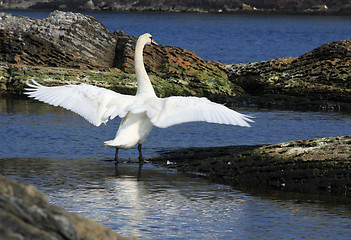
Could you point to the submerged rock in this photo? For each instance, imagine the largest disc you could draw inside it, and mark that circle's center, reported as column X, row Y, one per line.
column 315, row 166
column 26, row 214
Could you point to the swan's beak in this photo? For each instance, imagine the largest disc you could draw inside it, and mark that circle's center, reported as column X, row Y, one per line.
column 153, row 42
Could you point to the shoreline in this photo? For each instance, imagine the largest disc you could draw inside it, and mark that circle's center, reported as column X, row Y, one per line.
column 258, row 12
column 318, row 166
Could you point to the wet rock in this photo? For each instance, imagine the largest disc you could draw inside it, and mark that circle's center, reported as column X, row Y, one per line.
column 315, row 166
column 62, row 39
column 321, row 76
column 26, row 214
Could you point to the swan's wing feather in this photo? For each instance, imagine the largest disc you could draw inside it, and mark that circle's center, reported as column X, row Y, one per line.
column 97, row 105
column 165, row 112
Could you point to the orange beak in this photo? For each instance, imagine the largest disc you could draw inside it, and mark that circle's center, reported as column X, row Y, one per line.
column 153, row 42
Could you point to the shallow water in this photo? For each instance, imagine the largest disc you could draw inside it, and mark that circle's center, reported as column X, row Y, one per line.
column 62, row 155
column 166, row 205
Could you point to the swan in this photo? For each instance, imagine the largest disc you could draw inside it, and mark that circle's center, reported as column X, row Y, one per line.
column 139, row 113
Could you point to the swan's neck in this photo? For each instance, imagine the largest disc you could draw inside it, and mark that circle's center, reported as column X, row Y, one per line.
column 144, row 83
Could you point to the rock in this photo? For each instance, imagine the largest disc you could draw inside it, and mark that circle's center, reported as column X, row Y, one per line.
column 14, row 77
column 322, row 75
column 213, row 6
column 26, row 214
column 89, row 5
column 315, row 166
column 62, row 39
column 25, row 48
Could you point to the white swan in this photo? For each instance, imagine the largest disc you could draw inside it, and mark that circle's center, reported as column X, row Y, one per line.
column 139, row 113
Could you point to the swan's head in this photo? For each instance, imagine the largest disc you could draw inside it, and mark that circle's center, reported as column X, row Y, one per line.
column 147, row 39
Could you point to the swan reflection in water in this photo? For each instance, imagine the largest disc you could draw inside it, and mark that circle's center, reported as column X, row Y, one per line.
column 139, row 113
column 138, row 175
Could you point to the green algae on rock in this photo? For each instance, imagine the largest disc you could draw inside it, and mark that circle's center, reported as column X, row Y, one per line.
column 14, row 77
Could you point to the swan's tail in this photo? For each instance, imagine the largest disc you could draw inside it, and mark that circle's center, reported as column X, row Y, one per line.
column 110, row 143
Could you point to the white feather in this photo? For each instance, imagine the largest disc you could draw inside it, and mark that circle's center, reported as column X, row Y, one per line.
column 97, row 105
column 177, row 110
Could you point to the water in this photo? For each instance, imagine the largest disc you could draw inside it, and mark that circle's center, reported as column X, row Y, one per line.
column 167, row 205
column 60, row 153
column 42, row 130
column 229, row 38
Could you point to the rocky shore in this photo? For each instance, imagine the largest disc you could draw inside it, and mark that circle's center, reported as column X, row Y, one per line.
column 26, row 214
column 315, row 166
column 207, row 6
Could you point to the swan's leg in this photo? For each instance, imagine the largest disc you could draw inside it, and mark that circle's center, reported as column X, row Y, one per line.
column 116, row 162
column 141, row 159
column 116, row 155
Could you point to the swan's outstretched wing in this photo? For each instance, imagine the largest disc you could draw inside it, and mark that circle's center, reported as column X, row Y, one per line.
column 165, row 112
column 97, row 105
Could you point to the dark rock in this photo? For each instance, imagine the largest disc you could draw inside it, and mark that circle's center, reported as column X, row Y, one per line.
column 25, row 48
column 26, row 214
column 322, row 75
column 315, row 166
column 62, row 39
